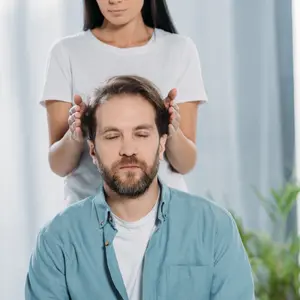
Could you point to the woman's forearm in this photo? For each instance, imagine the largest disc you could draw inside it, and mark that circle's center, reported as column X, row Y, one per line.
column 64, row 155
column 181, row 152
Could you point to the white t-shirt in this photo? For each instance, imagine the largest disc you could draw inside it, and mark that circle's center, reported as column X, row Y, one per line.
column 80, row 63
column 130, row 244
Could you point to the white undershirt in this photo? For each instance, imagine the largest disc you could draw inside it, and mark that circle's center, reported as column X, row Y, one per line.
column 130, row 245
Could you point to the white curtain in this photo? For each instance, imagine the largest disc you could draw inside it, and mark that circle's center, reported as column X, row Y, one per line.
column 30, row 193
column 245, row 133
column 296, row 46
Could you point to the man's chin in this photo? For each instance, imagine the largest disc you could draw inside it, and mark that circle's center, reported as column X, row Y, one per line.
column 129, row 182
column 131, row 190
column 130, row 170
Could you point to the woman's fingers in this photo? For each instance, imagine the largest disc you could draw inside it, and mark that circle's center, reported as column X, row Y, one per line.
column 169, row 100
column 77, row 100
column 74, row 109
column 172, row 94
column 74, row 120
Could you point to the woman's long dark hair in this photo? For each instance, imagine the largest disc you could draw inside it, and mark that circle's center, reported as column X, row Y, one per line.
column 155, row 15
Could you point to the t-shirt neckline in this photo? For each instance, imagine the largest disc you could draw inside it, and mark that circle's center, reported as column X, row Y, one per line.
column 130, row 50
column 142, row 221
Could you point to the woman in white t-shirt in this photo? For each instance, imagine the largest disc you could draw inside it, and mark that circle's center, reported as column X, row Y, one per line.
column 121, row 37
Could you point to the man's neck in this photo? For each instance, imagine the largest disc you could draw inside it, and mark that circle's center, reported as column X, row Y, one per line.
column 133, row 209
column 133, row 34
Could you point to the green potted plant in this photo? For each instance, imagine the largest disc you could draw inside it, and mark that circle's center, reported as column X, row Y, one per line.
column 275, row 259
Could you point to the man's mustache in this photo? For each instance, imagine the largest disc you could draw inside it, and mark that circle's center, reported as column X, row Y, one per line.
column 129, row 160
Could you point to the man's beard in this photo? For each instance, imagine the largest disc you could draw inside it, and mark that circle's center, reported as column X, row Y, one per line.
column 131, row 187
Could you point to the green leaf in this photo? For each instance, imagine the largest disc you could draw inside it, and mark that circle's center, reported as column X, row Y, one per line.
column 285, row 199
column 274, row 263
column 269, row 206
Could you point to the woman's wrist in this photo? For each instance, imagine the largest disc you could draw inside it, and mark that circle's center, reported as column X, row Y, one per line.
column 70, row 138
column 177, row 135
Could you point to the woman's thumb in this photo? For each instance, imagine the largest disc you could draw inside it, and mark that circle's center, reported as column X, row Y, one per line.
column 77, row 99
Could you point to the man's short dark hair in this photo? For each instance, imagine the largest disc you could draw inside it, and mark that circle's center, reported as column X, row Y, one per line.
column 130, row 85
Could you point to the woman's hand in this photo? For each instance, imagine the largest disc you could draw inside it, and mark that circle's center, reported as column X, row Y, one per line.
column 74, row 120
column 173, row 112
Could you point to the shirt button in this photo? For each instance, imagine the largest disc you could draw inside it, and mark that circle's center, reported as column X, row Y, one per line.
column 107, row 243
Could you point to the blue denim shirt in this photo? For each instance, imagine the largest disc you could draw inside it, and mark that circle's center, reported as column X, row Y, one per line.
column 195, row 253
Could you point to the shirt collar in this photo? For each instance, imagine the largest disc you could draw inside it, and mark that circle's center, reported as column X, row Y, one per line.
column 104, row 213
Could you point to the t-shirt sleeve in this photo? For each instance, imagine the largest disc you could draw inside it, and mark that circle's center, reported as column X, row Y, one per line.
column 190, row 85
column 58, row 79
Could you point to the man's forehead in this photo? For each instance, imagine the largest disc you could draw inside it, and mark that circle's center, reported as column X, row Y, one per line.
column 126, row 111
column 128, row 103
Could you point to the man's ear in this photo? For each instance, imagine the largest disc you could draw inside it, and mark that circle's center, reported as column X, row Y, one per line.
column 92, row 151
column 162, row 146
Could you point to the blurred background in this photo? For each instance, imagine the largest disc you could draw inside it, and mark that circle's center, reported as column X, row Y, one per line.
column 247, row 134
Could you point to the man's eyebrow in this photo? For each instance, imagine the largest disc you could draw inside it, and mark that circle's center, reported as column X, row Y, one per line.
column 115, row 129
column 144, row 126
column 109, row 129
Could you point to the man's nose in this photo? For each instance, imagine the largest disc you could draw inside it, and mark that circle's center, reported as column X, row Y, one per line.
column 128, row 147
